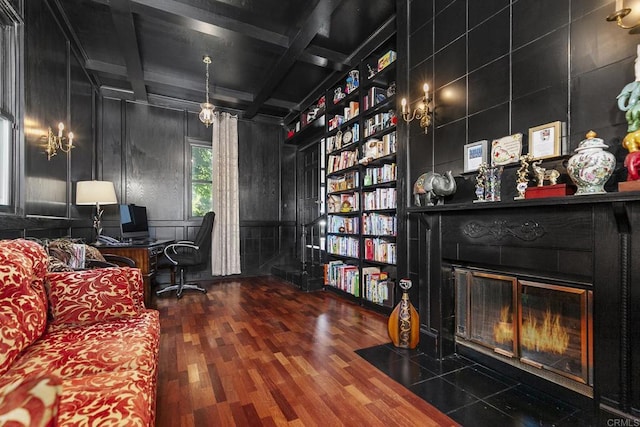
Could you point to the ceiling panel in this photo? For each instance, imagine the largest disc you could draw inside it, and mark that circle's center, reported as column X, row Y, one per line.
column 268, row 55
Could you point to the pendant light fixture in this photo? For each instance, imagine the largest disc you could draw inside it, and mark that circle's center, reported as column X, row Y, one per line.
column 206, row 112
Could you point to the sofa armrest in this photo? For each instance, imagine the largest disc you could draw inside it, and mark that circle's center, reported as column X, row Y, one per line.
column 89, row 296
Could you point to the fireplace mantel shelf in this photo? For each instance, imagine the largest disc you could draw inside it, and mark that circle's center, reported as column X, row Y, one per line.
column 630, row 196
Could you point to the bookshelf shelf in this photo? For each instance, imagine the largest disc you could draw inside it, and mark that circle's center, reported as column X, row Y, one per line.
column 385, row 184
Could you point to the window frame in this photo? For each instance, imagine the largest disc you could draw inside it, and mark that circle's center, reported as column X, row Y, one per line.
column 11, row 88
column 193, row 143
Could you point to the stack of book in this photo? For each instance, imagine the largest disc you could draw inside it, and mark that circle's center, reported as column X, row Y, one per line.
column 343, row 276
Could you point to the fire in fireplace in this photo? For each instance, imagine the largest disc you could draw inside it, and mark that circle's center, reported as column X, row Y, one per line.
column 539, row 325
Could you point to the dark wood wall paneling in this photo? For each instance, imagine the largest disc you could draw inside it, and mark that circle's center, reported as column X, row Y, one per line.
column 56, row 90
column 260, row 182
column 288, row 232
column 478, row 95
column 145, row 151
column 46, row 102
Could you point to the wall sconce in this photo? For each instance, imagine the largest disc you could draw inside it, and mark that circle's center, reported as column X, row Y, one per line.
column 55, row 143
column 619, row 14
column 422, row 111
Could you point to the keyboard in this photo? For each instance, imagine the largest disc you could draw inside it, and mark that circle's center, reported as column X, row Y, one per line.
column 143, row 241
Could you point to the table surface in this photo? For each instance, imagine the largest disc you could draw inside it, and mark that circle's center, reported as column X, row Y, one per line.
column 135, row 244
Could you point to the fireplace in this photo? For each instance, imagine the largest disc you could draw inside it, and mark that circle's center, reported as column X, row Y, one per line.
column 543, row 328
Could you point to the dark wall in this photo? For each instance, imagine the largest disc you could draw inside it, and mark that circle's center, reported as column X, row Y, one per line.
column 144, row 150
column 499, row 67
column 56, row 90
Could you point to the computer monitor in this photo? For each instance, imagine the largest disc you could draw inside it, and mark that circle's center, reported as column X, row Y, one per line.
column 133, row 222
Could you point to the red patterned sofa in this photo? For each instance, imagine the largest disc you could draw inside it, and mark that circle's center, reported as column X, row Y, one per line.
column 76, row 348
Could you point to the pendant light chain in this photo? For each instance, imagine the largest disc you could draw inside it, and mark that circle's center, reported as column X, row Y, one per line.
column 207, row 61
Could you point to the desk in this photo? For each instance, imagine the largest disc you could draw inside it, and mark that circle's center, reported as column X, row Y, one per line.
column 146, row 258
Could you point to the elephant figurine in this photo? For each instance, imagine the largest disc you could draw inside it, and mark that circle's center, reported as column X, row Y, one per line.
column 433, row 187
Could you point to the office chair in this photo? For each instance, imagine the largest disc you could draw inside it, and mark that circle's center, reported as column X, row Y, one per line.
column 184, row 254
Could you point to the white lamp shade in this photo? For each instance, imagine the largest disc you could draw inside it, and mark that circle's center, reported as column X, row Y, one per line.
column 92, row 192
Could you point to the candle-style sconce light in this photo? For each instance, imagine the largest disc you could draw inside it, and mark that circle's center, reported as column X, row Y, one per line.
column 58, row 142
column 422, row 112
column 619, row 14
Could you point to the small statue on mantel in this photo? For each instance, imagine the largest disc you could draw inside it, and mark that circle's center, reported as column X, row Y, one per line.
column 543, row 174
column 522, row 182
column 628, row 102
column 481, row 182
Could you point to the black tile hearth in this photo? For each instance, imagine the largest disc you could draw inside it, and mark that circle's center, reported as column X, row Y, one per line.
column 472, row 394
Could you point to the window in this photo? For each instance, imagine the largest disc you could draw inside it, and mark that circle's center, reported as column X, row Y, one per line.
column 10, row 83
column 201, row 180
column 5, row 161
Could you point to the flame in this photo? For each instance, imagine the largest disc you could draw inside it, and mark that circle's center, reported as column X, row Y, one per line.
column 503, row 330
column 550, row 336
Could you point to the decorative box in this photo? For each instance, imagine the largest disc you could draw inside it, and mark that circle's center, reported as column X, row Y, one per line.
column 557, row 190
column 629, row 186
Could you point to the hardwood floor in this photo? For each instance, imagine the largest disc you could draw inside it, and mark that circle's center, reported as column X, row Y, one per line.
column 259, row 352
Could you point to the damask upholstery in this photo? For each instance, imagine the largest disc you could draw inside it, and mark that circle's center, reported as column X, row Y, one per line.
column 95, row 349
column 98, row 295
column 32, row 401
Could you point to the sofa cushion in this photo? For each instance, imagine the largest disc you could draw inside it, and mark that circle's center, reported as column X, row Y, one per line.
column 68, row 351
column 108, row 399
column 30, row 402
column 89, row 296
column 23, row 309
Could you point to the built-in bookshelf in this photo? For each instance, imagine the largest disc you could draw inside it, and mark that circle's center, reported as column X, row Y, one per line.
column 361, row 176
column 355, row 120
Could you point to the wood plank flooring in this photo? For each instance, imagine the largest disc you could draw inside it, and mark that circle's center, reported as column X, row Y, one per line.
column 259, row 352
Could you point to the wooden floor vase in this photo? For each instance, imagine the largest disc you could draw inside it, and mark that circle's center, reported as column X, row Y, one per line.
column 404, row 322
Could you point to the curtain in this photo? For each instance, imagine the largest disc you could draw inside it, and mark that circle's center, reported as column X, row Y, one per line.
column 225, row 249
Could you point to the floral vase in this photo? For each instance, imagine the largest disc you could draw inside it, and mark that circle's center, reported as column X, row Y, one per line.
column 591, row 166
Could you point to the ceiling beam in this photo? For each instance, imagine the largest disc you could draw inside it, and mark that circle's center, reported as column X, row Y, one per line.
column 328, row 54
column 317, row 18
column 217, row 93
column 126, row 33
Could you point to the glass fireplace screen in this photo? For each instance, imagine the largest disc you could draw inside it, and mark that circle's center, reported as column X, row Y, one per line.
column 543, row 325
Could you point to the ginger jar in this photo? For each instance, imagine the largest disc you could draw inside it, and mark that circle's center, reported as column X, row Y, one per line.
column 591, row 166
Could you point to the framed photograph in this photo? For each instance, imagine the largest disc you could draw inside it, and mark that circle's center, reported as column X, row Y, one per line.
column 544, row 141
column 474, row 155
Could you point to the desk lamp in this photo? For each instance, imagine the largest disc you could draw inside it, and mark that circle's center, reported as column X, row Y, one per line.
column 96, row 193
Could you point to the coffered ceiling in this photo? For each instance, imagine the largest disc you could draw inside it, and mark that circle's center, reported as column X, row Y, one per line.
column 269, row 57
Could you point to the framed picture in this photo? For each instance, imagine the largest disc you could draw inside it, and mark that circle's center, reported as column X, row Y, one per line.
column 506, row 150
column 544, row 141
column 474, row 155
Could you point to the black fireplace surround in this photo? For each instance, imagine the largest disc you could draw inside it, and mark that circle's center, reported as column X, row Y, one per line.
column 588, row 243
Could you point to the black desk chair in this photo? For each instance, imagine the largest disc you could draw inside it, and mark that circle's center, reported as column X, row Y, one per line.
column 184, row 254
